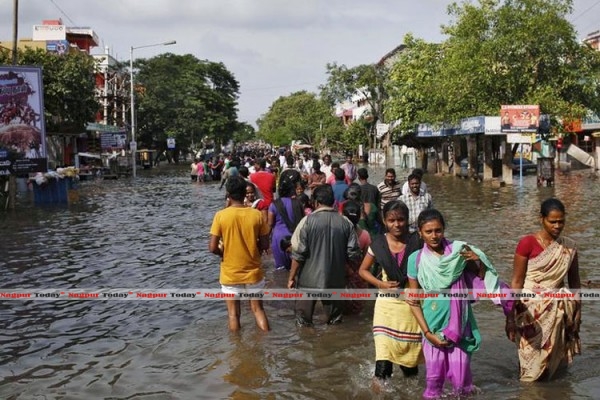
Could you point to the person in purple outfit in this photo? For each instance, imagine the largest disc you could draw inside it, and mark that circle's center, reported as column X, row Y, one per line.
column 283, row 216
column 450, row 332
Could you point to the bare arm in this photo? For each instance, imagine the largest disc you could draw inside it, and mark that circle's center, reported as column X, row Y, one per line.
column 575, row 283
column 263, row 243
column 265, row 217
column 271, row 220
column 573, row 274
column 415, row 308
column 518, row 280
column 213, row 245
column 519, row 271
column 293, row 272
column 473, row 262
column 365, row 273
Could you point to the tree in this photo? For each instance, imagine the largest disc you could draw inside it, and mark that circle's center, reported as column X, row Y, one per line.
column 497, row 52
column 244, row 133
column 68, row 79
column 522, row 52
column 356, row 133
column 413, row 84
column 299, row 116
column 366, row 81
column 185, row 98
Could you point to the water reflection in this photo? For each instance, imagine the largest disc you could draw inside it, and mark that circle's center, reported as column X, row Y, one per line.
column 153, row 233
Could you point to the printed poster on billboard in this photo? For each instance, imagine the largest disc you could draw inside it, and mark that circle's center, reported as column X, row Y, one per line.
column 519, row 118
column 22, row 129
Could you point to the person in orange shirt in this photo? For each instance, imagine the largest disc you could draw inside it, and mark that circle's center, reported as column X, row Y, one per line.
column 244, row 235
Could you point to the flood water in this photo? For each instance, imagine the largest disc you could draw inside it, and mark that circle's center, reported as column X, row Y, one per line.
column 152, row 233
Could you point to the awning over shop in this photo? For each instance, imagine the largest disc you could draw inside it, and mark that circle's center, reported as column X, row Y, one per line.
column 426, row 130
column 471, row 126
column 90, row 155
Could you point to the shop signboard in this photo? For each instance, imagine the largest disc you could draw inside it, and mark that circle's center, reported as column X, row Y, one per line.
column 591, row 121
column 492, row 126
column 113, row 141
column 471, row 126
column 94, row 126
column 22, row 128
column 520, row 138
column 426, row 130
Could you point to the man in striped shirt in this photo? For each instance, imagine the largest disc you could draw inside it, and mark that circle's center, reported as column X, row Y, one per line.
column 389, row 189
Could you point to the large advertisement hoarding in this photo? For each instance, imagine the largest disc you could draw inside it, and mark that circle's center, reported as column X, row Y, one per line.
column 519, row 118
column 22, row 129
column 49, row 32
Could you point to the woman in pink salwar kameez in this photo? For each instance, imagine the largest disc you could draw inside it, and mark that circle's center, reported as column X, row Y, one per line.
column 449, row 328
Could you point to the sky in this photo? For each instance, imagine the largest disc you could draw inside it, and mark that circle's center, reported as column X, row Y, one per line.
column 273, row 47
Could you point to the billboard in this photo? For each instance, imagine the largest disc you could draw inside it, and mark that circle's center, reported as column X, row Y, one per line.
column 22, row 129
column 57, row 46
column 49, row 32
column 519, row 118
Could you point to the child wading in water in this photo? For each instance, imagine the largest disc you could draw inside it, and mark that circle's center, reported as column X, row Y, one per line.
column 244, row 234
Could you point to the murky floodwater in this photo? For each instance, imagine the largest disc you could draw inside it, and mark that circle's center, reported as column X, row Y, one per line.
column 153, row 234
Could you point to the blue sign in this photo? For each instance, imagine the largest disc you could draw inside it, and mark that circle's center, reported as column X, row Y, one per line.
column 471, row 126
column 426, row 130
column 57, row 46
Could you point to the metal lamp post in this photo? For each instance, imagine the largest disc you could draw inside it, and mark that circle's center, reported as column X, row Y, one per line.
column 133, row 144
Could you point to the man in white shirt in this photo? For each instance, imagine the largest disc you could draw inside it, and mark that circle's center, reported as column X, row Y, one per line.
column 326, row 166
column 415, row 200
column 406, row 187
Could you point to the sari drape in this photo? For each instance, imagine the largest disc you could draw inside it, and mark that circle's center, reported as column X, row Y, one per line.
column 545, row 333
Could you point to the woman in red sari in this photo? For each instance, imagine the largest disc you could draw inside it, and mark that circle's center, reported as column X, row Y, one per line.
column 546, row 328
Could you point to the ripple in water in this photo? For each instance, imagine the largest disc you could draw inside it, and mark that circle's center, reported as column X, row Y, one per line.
column 153, row 233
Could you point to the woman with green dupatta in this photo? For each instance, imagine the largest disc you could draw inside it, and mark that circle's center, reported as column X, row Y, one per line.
column 450, row 330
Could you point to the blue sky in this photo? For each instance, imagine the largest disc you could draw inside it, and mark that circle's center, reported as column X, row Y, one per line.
column 273, row 47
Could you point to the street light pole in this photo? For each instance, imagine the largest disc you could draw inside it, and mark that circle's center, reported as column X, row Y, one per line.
column 15, row 31
column 133, row 144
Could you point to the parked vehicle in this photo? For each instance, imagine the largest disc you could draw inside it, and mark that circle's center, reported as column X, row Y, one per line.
column 528, row 166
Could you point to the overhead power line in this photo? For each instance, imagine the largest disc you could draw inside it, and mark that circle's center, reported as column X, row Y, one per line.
column 63, row 13
column 585, row 11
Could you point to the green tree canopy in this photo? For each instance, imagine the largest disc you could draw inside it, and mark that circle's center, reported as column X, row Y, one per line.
column 244, row 133
column 300, row 116
column 413, row 84
column 496, row 52
column 189, row 99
